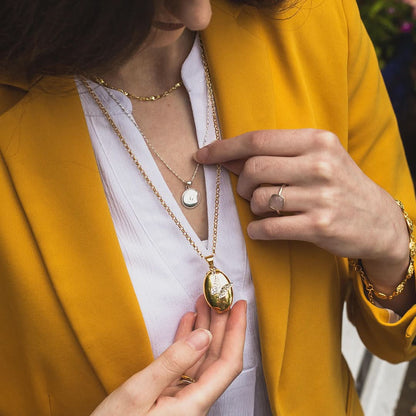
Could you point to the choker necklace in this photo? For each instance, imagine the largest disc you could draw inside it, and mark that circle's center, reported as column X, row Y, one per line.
column 217, row 288
column 139, row 97
column 190, row 196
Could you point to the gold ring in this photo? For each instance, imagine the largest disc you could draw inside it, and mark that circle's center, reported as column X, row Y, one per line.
column 277, row 201
column 186, row 379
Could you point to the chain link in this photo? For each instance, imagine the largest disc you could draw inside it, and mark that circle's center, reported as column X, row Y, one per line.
column 139, row 97
column 211, row 100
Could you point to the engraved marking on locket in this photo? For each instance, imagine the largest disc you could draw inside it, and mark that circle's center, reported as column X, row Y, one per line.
column 218, row 290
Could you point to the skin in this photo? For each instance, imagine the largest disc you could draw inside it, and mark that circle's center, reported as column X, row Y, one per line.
column 331, row 202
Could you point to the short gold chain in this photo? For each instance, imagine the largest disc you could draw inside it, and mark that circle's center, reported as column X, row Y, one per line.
column 139, row 97
column 148, row 180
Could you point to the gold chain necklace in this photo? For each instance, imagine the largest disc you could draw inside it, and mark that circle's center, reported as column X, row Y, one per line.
column 190, row 196
column 217, row 288
column 139, row 97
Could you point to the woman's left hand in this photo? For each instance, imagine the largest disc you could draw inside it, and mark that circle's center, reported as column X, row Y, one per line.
column 331, row 202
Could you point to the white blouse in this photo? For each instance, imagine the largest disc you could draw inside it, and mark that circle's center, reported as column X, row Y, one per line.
column 166, row 272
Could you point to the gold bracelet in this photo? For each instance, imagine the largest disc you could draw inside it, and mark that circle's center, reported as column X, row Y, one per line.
column 369, row 288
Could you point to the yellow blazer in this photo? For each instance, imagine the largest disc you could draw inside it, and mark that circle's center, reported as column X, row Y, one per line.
column 71, row 329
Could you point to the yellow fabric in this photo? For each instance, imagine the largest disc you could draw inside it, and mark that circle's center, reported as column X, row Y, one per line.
column 70, row 327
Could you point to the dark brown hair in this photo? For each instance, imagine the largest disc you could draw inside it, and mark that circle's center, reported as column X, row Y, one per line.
column 67, row 37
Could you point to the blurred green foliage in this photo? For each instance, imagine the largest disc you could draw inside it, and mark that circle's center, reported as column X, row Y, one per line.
column 386, row 21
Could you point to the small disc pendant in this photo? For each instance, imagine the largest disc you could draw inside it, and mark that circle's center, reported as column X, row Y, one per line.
column 218, row 290
column 190, row 198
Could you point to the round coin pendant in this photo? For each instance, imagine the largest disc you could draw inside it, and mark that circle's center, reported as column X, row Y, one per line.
column 190, row 198
column 218, row 290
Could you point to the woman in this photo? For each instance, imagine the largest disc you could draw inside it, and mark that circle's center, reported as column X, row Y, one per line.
column 300, row 100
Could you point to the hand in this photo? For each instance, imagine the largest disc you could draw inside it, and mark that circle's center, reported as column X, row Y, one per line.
column 331, row 202
column 213, row 358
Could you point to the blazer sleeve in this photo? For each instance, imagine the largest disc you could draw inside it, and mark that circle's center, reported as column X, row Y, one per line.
column 374, row 143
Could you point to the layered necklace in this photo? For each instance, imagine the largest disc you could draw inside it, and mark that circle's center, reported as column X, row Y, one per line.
column 217, row 288
column 190, row 196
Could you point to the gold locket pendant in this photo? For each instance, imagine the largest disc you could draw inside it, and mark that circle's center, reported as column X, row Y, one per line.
column 218, row 290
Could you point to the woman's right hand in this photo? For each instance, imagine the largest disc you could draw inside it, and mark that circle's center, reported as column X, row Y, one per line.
column 212, row 353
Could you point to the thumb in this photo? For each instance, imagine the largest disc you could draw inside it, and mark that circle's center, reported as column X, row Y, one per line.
column 172, row 363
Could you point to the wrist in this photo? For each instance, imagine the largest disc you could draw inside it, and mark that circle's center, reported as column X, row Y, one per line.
column 387, row 278
column 386, row 274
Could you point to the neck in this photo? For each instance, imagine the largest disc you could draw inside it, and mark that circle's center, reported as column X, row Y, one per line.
column 153, row 68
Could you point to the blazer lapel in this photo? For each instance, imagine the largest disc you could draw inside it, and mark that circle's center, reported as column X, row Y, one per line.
column 67, row 210
column 247, row 99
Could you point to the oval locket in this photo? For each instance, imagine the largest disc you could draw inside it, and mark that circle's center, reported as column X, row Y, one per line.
column 218, row 291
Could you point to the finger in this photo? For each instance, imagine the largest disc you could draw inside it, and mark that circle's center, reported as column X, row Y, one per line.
column 147, row 385
column 203, row 318
column 294, row 227
column 217, row 329
column 295, row 199
column 186, row 325
column 262, row 142
column 272, row 170
column 215, row 379
column 235, row 166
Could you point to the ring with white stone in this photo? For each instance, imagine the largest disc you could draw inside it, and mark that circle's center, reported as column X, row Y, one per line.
column 277, row 201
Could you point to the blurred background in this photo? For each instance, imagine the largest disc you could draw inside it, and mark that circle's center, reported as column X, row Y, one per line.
column 391, row 25
column 386, row 389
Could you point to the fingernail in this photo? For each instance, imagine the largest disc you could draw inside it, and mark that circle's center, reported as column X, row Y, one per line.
column 201, row 155
column 250, row 232
column 199, row 339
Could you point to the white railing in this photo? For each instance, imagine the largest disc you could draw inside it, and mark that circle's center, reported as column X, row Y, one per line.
column 379, row 383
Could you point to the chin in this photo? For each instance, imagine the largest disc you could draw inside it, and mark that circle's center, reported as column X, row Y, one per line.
column 161, row 38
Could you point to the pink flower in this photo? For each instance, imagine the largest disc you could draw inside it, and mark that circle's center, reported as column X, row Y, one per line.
column 406, row 27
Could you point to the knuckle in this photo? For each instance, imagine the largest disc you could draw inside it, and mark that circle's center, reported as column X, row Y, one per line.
column 257, row 141
column 323, row 224
column 171, row 363
column 129, row 394
column 323, row 169
column 253, row 166
column 259, row 201
column 323, row 139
